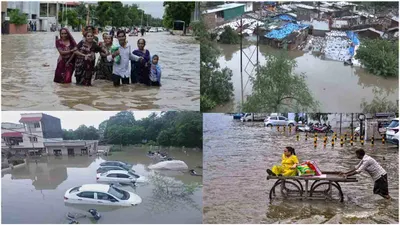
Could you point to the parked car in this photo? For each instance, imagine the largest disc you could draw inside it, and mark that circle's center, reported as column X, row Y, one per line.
column 127, row 166
column 253, row 117
column 392, row 132
column 153, row 29
column 103, row 169
column 101, row 194
column 278, row 121
column 120, row 176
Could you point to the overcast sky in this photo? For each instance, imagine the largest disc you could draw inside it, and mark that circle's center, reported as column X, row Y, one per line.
column 155, row 9
column 73, row 119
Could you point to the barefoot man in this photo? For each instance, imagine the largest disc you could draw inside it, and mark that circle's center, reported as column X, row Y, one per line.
column 372, row 167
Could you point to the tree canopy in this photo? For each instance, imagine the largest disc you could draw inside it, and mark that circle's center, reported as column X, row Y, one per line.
column 166, row 129
column 215, row 83
column 277, row 89
column 114, row 14
column 177, row 11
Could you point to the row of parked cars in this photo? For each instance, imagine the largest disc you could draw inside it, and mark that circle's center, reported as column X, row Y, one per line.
column 107, row 192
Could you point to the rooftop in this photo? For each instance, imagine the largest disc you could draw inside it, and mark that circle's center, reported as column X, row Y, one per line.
column 370, row 29
column 320, row 25
column 224, row 7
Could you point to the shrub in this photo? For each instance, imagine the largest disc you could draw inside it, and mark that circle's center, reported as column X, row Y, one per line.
column 17, row 18
column 379, row 57
column 229, row 36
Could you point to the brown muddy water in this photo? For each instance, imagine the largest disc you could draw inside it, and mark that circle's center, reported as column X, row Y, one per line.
column 27, row 85
column 34, row 193
column 338, row 88
column 236, row 156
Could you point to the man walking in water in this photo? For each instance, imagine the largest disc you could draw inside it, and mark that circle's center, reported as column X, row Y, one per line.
column 142, row 30
column 372, row 167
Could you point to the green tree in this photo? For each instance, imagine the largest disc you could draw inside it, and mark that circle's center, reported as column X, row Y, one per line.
column 17, row 18
column 379, row 57
column 277, row 89
column 177, row 11
column 215, row 83
column 70, row 18
column 229, row 36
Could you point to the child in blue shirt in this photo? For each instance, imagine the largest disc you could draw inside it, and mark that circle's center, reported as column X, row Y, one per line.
column 155, row 72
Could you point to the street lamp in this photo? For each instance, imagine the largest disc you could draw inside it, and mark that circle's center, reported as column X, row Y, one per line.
column 361, row 117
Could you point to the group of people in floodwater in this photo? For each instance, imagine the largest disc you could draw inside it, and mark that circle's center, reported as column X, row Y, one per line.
column 113, row 63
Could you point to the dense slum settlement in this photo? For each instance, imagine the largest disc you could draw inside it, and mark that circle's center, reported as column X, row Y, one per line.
column 333, row 29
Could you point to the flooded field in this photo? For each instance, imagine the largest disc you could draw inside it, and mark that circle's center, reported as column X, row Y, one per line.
column 34, row 193
column 28, row 85
column 329, row 81
column 236, row 156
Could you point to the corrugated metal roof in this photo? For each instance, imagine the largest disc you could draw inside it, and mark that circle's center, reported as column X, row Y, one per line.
column 395, row 18
column 370, row 29
column 30, row 119
column 224, row 7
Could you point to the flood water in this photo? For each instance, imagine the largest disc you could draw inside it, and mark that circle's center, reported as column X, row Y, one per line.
column 27, row 85
column 34, row 193
column 236, row 156
column 330, row 82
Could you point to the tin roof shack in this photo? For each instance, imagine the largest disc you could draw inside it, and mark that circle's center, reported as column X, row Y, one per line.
column 394, row 22
column 369, row 33
column 222, row 14
column 290, row 34
column 320, row 27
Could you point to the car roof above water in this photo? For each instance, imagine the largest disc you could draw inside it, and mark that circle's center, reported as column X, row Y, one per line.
column 95, row 187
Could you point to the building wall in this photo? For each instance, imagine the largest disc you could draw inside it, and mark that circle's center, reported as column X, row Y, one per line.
column 64, row 150
column 249, row 7
column 319, row 33
column 369, row 34
column 209, row 20
column 30, row 8
column 51, row 127
column 233, row 13
column 394, row 24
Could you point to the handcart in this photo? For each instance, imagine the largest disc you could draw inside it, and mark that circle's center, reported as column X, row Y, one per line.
column 325, row 186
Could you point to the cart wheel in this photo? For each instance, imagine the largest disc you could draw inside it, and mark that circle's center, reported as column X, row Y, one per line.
column 290, row 189
column 301, row 187
column 313, row 184
column 322, row 189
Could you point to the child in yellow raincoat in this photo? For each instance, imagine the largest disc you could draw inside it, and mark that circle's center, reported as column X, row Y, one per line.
column 289, row 164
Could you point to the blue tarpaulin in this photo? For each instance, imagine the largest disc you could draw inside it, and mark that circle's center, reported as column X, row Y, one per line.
column 354, row 38
column 285, row 30
column 285, row 17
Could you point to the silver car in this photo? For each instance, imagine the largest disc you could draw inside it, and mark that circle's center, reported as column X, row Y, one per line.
column 278, row 121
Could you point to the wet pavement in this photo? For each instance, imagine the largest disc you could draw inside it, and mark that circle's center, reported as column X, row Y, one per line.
column 330, row 82
column 34, row 193
column 236, row 156
column 27, row 85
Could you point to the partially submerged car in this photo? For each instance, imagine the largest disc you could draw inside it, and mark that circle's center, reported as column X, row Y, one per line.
column 120, row 176
column 101, row 194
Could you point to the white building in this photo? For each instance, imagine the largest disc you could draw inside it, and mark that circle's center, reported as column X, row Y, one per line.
column 41, row 134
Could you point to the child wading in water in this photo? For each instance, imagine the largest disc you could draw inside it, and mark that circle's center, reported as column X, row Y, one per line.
column 155, row 72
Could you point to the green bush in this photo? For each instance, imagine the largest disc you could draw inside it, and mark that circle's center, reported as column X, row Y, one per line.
column 18, row 18
column 229, row 36
column 379, row 57
column 115, row 148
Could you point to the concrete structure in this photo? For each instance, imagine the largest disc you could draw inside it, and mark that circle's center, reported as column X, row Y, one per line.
column 223, row 13
column 71, row 147
column 369, row 33
column 31, row 9
column 320, row 27
column 41, row 134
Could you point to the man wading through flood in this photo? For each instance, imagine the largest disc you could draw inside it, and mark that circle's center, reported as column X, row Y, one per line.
column 372, row 167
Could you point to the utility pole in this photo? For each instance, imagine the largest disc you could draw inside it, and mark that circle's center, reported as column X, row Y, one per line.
column 48, row 16
column 57, row 9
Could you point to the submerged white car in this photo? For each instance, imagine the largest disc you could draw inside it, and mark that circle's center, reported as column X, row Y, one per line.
column 120, row 176
column 101, row 194
column 392, row 132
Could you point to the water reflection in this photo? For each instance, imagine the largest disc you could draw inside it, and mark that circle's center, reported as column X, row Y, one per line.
column 236, row 156
column 45, row 182
column 329, row 81
column 27, row 84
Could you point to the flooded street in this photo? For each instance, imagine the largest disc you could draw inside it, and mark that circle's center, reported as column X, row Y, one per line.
column 329, row 81
column 27, row 85
column 34, row 193
column 236, row 156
